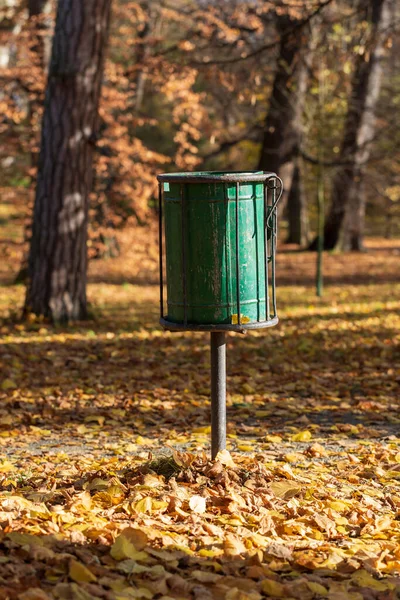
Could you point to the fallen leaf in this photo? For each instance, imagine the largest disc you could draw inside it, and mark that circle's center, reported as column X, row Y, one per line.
column 80, row 573
column 197, row 504
column 273, row 588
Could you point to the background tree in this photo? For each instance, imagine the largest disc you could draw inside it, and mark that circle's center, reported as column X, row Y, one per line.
column 58, row 252
column 346, row 216
column 191, row 86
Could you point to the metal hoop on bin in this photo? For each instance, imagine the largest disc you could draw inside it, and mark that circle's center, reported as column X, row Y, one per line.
column 272, row 192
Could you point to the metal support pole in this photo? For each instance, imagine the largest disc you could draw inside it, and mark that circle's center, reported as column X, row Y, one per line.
column 218, row 392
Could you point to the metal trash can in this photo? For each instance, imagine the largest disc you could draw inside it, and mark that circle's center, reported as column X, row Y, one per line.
column 220, row 242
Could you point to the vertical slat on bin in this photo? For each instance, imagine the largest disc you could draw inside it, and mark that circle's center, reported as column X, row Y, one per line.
column 267, row 309
column 237, row 254
column 227, row 252
column 273, row 245
column 160, row 247
column 183, row 241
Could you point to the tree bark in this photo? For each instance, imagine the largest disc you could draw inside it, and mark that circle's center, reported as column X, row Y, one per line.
column 142, row 54
column 297, row 210
column 345, row 221
column 40, row 45
column 278, row 139
column 296, row 200
column 283, row 127
column 58, row 253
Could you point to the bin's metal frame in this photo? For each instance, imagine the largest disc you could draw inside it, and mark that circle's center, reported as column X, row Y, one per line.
column 217, row 331
column 273, row 188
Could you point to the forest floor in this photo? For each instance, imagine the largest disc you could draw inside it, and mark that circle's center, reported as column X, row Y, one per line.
column 106, row 487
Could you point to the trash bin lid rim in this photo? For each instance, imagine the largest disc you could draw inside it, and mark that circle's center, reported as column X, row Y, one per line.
column 216, row 176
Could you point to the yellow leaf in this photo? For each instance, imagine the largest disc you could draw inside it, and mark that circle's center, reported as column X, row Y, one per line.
column 153, row 481
column 7, row 420
column 6, row 467
column 225, row 458
column 136, row 536
column 284, row 489
column 86, row 500
column 338, row 506
column 8, row 384
column 158, row 505
column 205, row 576
column 210, row 553
column 206, row 429
column 39, row 511
column 142, row 441
column 302, row 436
column 243, row 319
column 273, row 439
column 233, row 545
column 197, row 504
column 293, row 457
column 129, row 544
column 79, row 573
column 40, row 431
column 24, row 539
column 98, row 484
column 82, row 429
column 245, row 448
column 143, row 505
column 273, row 588
column 247, row 389
column 122, row 548
column 317, row 588
column 364, row 579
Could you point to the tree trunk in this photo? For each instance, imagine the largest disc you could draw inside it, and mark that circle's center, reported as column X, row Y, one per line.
column 142, row 54
column 58, row 253
column 297, row 210
column 345, row 221
column 278, row 139
column 40, row 45
column 283, row 124
column 297, row 201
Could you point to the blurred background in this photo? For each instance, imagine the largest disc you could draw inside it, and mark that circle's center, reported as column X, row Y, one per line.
column 306, row 88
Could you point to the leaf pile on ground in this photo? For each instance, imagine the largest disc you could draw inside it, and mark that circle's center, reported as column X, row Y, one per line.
column 106, row 487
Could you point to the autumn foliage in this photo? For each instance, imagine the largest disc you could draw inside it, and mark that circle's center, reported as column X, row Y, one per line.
column 107, row 490
column 106, row 485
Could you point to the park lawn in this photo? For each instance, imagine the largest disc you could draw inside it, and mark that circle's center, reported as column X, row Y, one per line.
column 107, row 490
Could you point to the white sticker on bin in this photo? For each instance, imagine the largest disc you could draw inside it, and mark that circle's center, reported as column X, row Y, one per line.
column 166, row 186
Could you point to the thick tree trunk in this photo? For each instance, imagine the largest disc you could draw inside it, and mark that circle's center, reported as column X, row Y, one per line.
column 142, row 54
column 40, row 45
column 297, row 201
column 345, row 221
column 58, row 253
column 297, row 210
column 283, row 124
column 278, row 138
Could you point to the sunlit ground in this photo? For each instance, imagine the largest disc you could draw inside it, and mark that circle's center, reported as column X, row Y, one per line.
column 307, row 509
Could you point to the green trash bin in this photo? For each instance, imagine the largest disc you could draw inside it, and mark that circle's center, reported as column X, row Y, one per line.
column 220, row 242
